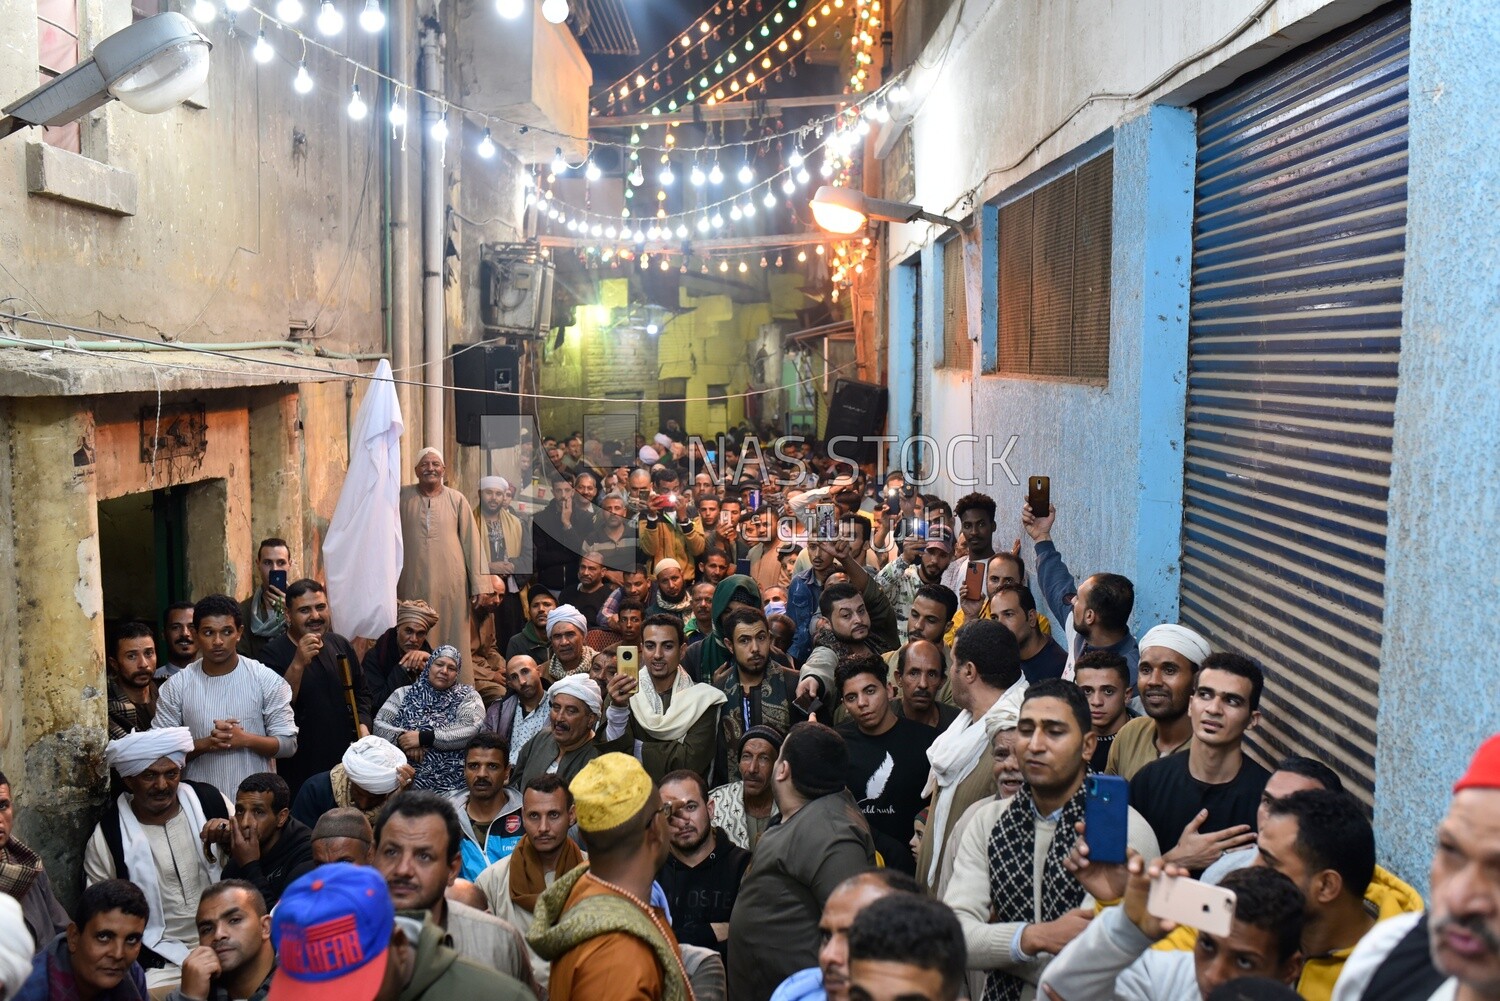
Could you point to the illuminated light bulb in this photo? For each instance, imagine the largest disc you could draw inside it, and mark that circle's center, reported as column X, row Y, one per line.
column 735, row 214
column 763, row 260
column 559, row 165
column 812, row 22
column 703, row 27
column 555, row 11
column 788, row 185
column 635, row 139
column 796, row 34
column 664, row 266
column 827, row 169
column 749, row 209
column 744, row 267
column 703, row 224
column 724, row 266
column 900, row 94
column 371, row 17
column 302, row 83
column 716, row 176
column 330, row 21
column 818, row 250
column 672, row 104
column 439, row 130
column 597, row 230
column 777, row 18
column 639, row 236
column 827, row 10
column 592, row 171
column 734, row 86
column 703, row 80
column 697, row 177
column 717, row 221
column 765, row 63
column 263, row 52
column 204, row 11
column 397, row 115
column 625, row 91
column 746, row 174
column 358, row 109
column 572, row 225
column 640, row 80
column 609, row 232
column 637, row 176
column 487, row 149
column 656, row 111
column 795, row 160
column 781, row 47
column 682, row 231
column 289, row 11
column 801, row 257
column 510, row 9
column 731, row 59
column 770, row 200
column 802, row 176
column 778, row 260
column 750, row 44
column 652, row 328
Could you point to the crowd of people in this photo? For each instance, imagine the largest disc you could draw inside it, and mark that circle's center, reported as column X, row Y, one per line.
column 730, row 720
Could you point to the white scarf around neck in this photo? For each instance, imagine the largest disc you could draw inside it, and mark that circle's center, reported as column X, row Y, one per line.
column 953, row 756
column 689, row 702
column 136, row 849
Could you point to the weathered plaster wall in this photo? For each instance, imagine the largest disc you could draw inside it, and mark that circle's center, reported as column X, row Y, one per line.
column 1444, row 507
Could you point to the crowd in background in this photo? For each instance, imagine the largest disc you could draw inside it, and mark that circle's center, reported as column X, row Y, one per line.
column 730, row 717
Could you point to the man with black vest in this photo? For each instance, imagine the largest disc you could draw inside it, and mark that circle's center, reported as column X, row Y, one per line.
column 152, row 835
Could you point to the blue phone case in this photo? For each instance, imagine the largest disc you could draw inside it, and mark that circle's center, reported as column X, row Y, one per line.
column 1106, row 817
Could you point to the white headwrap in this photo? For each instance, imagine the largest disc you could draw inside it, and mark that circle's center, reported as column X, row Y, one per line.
column 494, row 483
column 371, row 764
column 566, row 614
column 16, row 946
column 663, row 440
column 581, row 687
column 648, row 455
column 1178, row 639
column 135, row 752
column 665, row 563
column 429, row 450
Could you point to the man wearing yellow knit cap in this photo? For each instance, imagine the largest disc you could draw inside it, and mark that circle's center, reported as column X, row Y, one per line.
column 595, row 924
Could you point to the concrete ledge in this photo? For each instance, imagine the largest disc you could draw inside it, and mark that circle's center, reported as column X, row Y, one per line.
column 26, row 372
column 78, row 180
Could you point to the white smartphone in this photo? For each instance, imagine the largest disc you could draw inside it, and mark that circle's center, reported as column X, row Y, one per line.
column 1193, row 903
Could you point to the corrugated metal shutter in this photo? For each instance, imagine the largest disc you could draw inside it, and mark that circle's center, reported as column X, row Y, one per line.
column 1298, row 258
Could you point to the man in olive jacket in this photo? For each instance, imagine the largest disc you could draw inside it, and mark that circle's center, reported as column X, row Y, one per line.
column 821, row 841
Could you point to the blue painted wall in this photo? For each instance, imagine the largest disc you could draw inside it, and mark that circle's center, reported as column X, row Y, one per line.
column 1114, row 453
column 1439, row 695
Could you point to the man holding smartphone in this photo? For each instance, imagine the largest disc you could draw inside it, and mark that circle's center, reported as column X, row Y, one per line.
column 264, row 612
column 1014, row 922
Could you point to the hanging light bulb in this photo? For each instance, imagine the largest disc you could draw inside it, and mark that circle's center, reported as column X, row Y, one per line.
column 717, row 221
column 357, row 107
column 801, row 257
column 487, row 146
column 598, row 230
column 439, row 130
column 591, row 170
column 263, row 52
column 397, row 114
column 778, row 260
column 559, row 165
column 716, row 176
column 555, row 11
column 788, row 186
column 697, row 177
column 770, row 200
column 795, row 160
column 609, row 232
column 723, row 266
column 637, row 176
column 509, row 9
column 330, row 21
column 802, row 176
column 371, row 17
column 744, row 267
column 749, row 209
column 666, row 176
column 302, row 83
column 703, row 224
column 735, row 214
column 682, row 231
column 204, row 11
column 289, row 11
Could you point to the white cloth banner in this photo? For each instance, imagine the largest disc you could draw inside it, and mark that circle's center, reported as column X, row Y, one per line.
column 362, row 551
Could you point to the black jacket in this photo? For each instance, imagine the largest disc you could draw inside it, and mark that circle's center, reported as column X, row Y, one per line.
column 288, row 858
column 703, row 896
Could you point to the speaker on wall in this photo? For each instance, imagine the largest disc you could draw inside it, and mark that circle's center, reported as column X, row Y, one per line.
column 486, row 380
column 856, row 410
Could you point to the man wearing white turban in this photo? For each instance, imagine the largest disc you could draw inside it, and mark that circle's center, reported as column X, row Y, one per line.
column 372, row 769
column 443, row 561
column 566, row 627
column 564, row 747
column 151, row 836
column 1170, row 656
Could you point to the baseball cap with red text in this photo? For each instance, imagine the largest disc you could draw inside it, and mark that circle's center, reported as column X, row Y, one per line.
column 332, row 933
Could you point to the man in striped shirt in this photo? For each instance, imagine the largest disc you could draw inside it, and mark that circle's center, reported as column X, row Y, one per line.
column 238, row 710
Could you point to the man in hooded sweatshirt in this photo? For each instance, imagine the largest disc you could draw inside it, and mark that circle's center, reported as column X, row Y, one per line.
column 267, row 846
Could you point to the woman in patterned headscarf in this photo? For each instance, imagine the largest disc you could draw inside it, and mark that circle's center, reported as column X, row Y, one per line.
column 433, row 721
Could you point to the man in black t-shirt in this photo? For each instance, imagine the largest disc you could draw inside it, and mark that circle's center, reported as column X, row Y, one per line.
column 887, row 758
column 592, row 590
column 1203, row 803
column 701, row 877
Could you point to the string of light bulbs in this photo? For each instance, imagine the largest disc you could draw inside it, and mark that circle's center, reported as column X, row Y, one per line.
column 686, row 42
column 263, row 52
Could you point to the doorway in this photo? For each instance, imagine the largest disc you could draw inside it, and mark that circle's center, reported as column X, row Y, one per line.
column 143, row 556
column 672, row 405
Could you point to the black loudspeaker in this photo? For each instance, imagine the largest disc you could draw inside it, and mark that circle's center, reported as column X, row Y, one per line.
column 485, row 367
column 857, row 411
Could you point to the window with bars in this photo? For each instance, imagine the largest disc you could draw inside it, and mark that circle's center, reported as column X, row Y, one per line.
column 958, row 351
column 1054, row 278
column 57, row 52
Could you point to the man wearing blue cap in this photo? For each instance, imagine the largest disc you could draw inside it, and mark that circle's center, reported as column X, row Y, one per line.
column 338, row 936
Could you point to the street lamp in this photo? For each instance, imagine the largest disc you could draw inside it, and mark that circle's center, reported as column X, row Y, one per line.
column 848, row 210
column 153, row 65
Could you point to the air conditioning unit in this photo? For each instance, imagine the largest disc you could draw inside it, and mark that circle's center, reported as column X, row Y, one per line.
column 516, row 289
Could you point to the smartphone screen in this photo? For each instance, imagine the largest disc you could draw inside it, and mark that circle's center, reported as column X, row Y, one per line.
column 278, row 580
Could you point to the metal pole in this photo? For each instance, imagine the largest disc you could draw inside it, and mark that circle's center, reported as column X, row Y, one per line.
column 402, row 353
column 434, row 345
